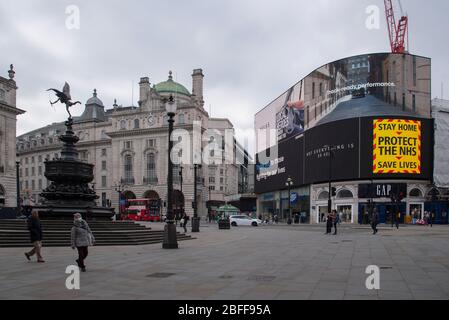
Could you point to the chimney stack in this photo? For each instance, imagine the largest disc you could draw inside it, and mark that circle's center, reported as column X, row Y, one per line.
column 145, row 87
column 197, row 90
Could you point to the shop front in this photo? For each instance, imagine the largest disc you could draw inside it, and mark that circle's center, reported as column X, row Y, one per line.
column 299, row 204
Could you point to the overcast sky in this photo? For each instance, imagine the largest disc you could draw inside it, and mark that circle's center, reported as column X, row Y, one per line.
column 250, row 50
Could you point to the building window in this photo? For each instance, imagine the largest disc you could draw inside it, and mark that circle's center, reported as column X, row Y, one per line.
column 128, row 145
column 414, row 102
column 136, row 124
column 212, row 188
column 39, row 159
column 84, row 156
column 123, row 125
column 128, row 168
column 39, row 172
column 33, row 171
column 26, row 172
column 2, row 95
column 321, row 89
column 104, row 166
column 104, row 200
column 32, row 159
column 181, row 119
column 103, row 181
column 211, row 179
column 221, row 180
column 313, row 90
column 103, row 152
column 151, row 168
column 27, row 185
column 40, row 184
column 33, row 185
column 151, row 143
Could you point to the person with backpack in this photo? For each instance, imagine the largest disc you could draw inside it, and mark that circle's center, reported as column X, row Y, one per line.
column 35, row 229
column 81, row 238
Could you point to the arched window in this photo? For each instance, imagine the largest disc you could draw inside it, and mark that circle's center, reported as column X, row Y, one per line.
column 2, row 95
column 123, row 125
column 345, row 194
column 151, row 175
column 416, row 193
column 181, row 118
column 136, row 124
column 323, row 196
column 128, row 169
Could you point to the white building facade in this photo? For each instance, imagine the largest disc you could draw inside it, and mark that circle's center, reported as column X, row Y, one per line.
column 8, row 120
column 129, row 148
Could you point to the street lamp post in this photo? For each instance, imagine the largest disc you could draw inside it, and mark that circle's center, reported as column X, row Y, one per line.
column 119, row 188
column 18, row 187
column 196, row 219
column 289, row 185
column 170, row 239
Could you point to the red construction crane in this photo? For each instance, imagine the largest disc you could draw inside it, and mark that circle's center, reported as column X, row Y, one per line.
column 397, row 32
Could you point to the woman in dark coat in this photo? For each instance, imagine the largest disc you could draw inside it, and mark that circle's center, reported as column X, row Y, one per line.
column 35, row 229
column 329, row 224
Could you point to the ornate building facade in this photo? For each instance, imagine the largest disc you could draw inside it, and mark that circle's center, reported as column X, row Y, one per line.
column 8, row 119
column 129, row 148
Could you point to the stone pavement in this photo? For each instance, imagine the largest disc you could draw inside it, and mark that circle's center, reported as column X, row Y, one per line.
column 265, row 263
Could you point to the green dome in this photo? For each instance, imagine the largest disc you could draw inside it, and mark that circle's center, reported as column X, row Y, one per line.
column 171, row 86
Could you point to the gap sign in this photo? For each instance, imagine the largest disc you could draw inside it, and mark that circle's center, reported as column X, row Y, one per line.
column 397, row 146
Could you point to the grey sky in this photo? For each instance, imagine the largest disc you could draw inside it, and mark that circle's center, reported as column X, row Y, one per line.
column 251, row 51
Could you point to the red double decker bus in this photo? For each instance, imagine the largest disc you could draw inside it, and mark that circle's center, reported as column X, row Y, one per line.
column 143, row 210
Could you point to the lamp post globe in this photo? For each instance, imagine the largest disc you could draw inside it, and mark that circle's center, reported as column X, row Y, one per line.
column 170, row 239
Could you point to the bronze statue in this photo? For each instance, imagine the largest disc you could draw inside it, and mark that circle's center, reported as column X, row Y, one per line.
column 65, row 98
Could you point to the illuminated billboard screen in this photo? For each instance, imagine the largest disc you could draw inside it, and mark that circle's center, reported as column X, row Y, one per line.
column 383, row 84
column 363, row 148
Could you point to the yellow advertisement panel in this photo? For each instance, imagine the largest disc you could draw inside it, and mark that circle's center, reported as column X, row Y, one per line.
column 397, row 146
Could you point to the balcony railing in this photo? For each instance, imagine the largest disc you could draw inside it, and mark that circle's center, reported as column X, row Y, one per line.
column 128, row 181
column 150, row 180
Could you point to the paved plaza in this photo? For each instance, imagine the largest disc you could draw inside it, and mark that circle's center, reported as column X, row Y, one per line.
column 265, row 263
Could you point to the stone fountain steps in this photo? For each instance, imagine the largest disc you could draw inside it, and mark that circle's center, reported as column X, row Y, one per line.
column 14, row 233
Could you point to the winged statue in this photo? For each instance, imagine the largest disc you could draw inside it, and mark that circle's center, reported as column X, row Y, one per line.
column 64, row 97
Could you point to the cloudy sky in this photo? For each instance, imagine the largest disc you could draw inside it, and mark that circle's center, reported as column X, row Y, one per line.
column 250, row 50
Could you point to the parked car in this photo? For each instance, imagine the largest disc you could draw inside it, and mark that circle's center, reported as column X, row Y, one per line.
column 244, row 221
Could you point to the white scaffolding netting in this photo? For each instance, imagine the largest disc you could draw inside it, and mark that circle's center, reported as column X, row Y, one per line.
column 440, row 112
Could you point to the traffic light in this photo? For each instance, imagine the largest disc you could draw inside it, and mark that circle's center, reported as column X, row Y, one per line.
column 334, row 192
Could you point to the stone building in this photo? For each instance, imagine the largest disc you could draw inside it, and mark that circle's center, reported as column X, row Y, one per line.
column 8, row 119
column 129, row 148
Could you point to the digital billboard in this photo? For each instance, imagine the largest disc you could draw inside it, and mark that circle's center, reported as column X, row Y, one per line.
column 347, row 150
column 383, row 84
column 396, row 146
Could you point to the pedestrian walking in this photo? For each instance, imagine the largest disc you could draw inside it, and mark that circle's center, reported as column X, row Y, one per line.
column 329, row 223
column 184, row 220
column 375, row 222
column 335, row 220
column 397, row 220
column 432, row 219
column 35, row 229
column 81, row 238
